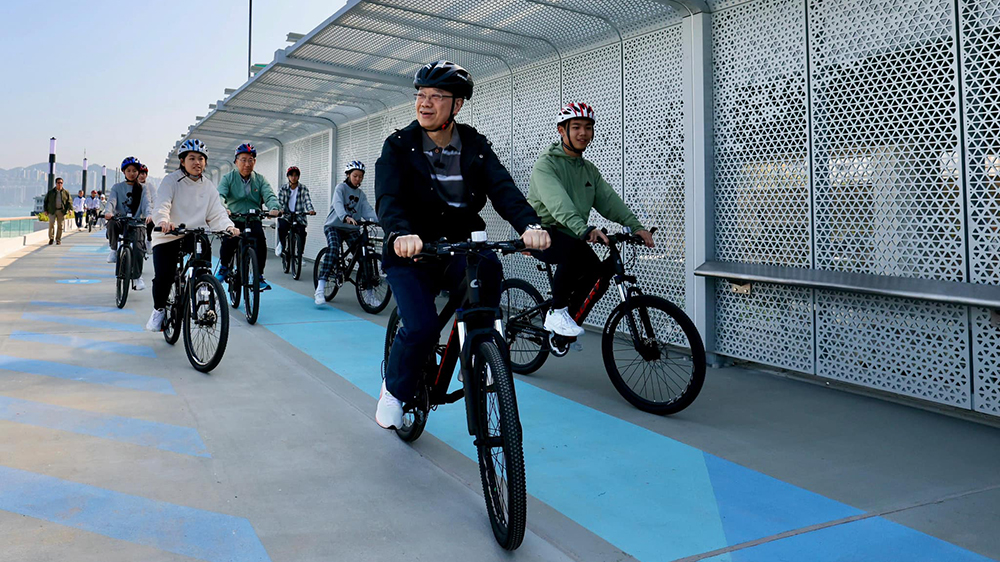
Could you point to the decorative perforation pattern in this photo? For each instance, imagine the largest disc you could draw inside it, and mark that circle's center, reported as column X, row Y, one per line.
column 772, row 325
column 908, row 347
column 491, row 117
column 761, row 152
column 267, row 166
column 885, row 138
column 312, row 156
column 981, row 64
column 986, row 359
column 654, row 157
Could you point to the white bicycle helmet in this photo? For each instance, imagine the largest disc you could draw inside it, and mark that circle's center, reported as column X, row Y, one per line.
column 576, row 110
column 192, row 145
column 354, row 165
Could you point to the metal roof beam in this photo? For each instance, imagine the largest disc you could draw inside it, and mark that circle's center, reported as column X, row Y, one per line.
column 278, row 115
column 281, row 59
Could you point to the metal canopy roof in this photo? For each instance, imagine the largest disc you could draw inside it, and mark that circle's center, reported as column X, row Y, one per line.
column 362, row 59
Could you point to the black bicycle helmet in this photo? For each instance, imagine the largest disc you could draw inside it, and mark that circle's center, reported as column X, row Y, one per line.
column 445, row 75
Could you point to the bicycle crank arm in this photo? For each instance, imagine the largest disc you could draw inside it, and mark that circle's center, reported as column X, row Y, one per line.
column 453, row 397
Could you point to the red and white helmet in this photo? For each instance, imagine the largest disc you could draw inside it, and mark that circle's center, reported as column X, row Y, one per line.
column 576, row 110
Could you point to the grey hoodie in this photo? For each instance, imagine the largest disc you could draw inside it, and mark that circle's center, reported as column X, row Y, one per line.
column 118, row 197
column 349, row 201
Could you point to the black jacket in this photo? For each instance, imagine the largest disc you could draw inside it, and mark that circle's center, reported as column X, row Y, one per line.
column 407, row 201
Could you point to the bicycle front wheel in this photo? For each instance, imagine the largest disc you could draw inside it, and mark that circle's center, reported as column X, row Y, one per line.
column 206, row 322
column 654, row 355
column 372, row 287
column 501, row 458
column 522, row 321
column 123, row 275
column 250, row 273
column 296, row 256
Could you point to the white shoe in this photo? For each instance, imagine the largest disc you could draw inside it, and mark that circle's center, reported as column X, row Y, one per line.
column 560, row 322
column 389, row 412
column 138, row 285
column 277, row 249
column 320, row 296
column 112, row 256
column 155, row 323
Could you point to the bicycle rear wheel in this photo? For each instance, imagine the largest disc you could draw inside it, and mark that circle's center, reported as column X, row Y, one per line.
column 415, row 413
column 172, row 317
column 251, row 284
column 372, row 287
column 654, row 355
column 206, row 322
column 123, row 275
column 522, row 322
column 501, row 458
column 296, row 259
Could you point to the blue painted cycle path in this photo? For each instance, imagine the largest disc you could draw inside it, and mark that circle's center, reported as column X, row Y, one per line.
column 651, row 496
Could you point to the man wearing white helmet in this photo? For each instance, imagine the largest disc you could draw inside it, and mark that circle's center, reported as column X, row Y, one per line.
column 564, row 187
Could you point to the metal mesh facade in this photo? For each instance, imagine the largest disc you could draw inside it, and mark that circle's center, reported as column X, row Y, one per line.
column 312, row 156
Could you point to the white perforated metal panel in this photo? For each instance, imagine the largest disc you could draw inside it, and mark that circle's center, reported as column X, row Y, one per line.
column 654, row 156
column 491, row 117
column 312, row 156
column 772, row 325
column 914, row 348
column 267, row 166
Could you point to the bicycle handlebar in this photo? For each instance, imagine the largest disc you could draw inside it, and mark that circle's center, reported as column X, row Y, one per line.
column 432, row 249
column 626, row 237
column 183, row 230
column 253, row 214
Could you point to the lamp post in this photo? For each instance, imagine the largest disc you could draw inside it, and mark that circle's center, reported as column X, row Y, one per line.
column 52, row 163
column 104, row 178
column 84, row 186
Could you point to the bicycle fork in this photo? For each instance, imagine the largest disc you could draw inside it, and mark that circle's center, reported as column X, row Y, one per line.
column 467, row 372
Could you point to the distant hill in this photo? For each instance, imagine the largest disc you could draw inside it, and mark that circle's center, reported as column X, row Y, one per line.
column 36, row 175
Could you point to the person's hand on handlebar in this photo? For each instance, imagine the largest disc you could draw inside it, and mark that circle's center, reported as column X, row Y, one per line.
column 408, row 246
column 350, row 220
column 233, row 231
column 273, row 213
column 311, row 213
column 647, row 237
column 109, row 216
column 596, row 236
column 166, row 227
column 536, row 239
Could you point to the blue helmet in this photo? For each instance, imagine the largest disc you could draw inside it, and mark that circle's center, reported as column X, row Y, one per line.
column 131, row 161
column 354, row 165
column 245, row 148
column 192, row 145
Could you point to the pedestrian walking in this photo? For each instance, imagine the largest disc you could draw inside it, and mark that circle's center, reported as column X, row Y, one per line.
column 57, row 202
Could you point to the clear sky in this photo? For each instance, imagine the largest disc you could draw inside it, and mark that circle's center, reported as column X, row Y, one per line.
column 124, row 78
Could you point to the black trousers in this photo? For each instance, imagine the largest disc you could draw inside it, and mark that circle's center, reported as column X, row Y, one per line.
column 578, row 269
column 229, row 245
column 165, row 258
column 284, row 226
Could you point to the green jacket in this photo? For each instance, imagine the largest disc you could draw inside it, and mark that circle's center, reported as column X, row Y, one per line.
column 564, row 189
column 50, row 201
column 234, row 195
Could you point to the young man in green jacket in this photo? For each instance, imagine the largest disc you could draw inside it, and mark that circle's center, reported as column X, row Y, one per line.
column 241, row 190
column 564, row 187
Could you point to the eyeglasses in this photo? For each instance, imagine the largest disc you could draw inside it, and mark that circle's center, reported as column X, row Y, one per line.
column 436, row 98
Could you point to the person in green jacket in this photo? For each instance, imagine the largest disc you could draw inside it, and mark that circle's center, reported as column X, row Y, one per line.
column 564, row 187
column 241, row 190
column 57, row 203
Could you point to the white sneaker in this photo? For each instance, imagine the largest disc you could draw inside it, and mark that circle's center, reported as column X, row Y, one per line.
column 560, row 322
column 320, row 296
column 155, row 323
column 138, row 285
column 389, row 412
column 277, row 249
column 112, row 256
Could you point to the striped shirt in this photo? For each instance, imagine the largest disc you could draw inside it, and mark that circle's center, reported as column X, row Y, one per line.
column 446, row 169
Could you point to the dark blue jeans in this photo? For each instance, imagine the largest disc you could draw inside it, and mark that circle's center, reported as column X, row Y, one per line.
column 415, row 286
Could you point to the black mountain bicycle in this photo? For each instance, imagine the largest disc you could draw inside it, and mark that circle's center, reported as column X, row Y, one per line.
column 370, row 285
column 91, row 219
column 128, row 255
column 243, row 276
column 488, row 386
column 197, row 303
column 291, row 254
column 652, row 351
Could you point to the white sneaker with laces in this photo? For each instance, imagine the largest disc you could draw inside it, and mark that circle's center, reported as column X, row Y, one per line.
column 112, row 256
column 138, row 285
column 277, row 249
column 155, row 323
column 320, row 296
column 560, row 322
column 389, row 412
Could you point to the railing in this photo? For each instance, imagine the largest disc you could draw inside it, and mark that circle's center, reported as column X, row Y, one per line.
column 17, row 226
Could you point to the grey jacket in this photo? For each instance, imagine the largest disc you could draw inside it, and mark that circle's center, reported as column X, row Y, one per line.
column 349, row 201
column 118, row 196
